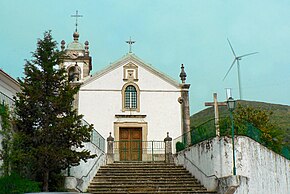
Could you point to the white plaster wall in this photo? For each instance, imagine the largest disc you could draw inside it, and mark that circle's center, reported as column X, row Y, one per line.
column 163, row 114
column 148, row 81
column 110, row 81
column 85, row 172
column 101, row 99
column 244, row 187
column 267, row 172
column 99, row 108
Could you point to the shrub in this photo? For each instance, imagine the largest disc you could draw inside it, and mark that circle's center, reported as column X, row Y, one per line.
column 56, row 182
column 15, row 184
column 179, row 146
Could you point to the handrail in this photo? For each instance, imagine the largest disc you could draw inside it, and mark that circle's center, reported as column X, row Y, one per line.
column 208, row 176
column 102, row 138
column 77, row 187
column 209, row 135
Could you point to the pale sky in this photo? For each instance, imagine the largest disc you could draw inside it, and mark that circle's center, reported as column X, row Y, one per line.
column 167, row 34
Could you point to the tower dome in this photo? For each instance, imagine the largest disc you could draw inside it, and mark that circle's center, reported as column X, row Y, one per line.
column 75, row 45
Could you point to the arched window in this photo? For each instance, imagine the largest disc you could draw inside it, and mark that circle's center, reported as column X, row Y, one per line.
column 74, row 73
column 71, row 72
column 130, row 97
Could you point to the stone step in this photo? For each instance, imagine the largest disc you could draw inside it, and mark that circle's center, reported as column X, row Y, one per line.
column 140, row 167
column 146, row 185
column 145, row 177
column 141, row 170
column 156, row 181
column 154, row 192
column 140, row 164
column 145, row 188
column 113, row 180
column 142, row 176
column 141, row 183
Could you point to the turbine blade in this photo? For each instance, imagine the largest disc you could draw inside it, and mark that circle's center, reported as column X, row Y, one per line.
column 232, row 48
column 248, row 54
column 230, row 68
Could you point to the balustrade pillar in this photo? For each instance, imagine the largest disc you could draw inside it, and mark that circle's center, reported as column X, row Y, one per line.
column 110, row 149
column 168, row 149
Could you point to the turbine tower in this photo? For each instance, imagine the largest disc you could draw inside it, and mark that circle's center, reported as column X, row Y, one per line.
column 237, row 59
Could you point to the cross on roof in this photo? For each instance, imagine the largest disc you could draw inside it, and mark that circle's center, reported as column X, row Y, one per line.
column 130, row 42
column 77, row 16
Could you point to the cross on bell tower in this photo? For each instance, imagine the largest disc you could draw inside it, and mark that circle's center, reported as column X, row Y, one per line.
column 130, row 42
column 76, row 60
column 76, row 16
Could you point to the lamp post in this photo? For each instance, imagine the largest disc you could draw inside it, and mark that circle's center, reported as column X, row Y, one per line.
column 231, row 103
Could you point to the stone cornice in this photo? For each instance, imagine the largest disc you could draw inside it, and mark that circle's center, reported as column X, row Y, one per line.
column 130, row 116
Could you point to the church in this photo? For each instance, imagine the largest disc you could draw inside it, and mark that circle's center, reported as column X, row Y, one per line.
column 129, row 98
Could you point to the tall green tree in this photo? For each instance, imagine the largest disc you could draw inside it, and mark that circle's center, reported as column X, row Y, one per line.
column 49, row 130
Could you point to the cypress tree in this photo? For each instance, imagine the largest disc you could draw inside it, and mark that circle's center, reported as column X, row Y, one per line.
column 48, row 129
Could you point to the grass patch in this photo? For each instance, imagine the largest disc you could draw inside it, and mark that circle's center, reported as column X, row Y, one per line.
column 15, row 184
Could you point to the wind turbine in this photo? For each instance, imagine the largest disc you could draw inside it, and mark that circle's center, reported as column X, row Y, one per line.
column 237, row 59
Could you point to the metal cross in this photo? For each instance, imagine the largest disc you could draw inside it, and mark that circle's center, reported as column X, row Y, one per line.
column 130, row 42
column 77, row 16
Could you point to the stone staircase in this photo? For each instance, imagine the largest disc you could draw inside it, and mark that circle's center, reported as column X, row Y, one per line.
column 145, row 177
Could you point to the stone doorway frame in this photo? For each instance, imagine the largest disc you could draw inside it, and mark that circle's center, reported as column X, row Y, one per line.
column 142, row 125
column 134, row 124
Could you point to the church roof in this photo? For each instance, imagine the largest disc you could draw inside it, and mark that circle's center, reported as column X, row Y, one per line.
column 132, row 57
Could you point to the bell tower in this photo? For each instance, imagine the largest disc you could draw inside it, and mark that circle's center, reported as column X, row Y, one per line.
column 77, row 60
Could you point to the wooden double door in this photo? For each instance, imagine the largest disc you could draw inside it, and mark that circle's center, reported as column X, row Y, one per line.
column 130, row 144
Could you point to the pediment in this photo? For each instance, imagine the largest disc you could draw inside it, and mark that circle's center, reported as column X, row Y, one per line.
column 130, row 65
column 131, row 61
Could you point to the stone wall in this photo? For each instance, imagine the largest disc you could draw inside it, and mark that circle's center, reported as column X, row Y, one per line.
column 81, row 176
column 263, row 171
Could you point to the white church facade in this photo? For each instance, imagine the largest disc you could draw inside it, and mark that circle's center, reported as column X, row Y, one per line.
column 129, row 94
column 129, row 98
